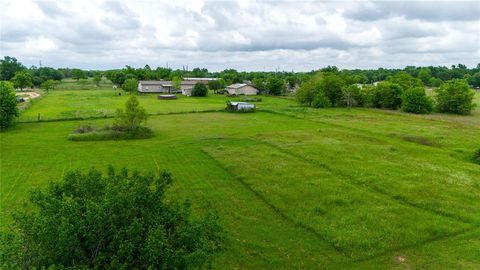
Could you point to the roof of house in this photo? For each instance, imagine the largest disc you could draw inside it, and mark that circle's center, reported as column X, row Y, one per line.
column 237, row 85
column 199, row 79
column 154, row 82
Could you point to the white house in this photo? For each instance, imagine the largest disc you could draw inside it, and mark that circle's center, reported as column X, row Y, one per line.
column 241, row 89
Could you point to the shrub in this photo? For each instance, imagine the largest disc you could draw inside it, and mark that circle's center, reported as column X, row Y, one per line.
column 113, row 221
column 111, row 133
column 199, row 90
column 387, row 95
column 321, row 101
column 352, row 96
column 415, row 100
column 455, row 96
column 130, row 85
column 275, row 86
column 8, row 102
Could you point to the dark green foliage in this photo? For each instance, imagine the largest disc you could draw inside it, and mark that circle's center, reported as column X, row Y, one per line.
column 415, row 100
column 353, row 96
column 307, row 91
column 275, row 86
column 97, row 78
column 387, row 95
column 49, row 85
column 474, row 80
column 331, row 86
column 321, row 101
column 78, row 74
column 405, row 80
column 8, row 67
column 130, row 85
column 199, row 90
column 113, row 221
column 22, row 79
column 8, row 105
column 476, row 156
column 216, row 85
column 455, row 96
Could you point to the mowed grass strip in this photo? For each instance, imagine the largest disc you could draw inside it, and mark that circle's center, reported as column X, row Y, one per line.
column 418, row 175
column 355, row 221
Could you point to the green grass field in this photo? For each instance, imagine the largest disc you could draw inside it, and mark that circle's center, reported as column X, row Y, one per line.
column 294, row 188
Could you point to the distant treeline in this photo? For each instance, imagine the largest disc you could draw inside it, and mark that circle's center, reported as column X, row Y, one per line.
column 430, row 76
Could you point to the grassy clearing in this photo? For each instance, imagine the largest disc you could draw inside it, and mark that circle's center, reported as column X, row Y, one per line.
column 321, row 189
column 74, row 104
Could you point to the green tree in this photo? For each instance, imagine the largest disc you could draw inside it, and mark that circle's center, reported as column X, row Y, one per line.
column 22, row 79
column 474, row 80
column 387, row 95
column 331, row 85
column 454, row 96
column 49, row 85
column 117, row 220
column 307, row 92
column 405, row 80
column 97, row 78
column 275, row 86
column 415, row 100
column 130, row 85
column 199, row 90
column 260, row 84
column 177, row 83
column 133, row 116
column 424, row 75
column 78, row 74
column 216, row 85
column 8, row 67
column 8, row 105
column 352, row 96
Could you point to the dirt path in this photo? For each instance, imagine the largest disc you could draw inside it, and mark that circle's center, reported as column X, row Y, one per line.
column 31, row 95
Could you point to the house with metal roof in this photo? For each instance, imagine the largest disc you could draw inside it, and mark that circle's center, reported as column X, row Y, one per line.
column 241, row 89
column 165, row 87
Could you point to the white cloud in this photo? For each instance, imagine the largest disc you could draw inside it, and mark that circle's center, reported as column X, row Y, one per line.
column 248, row 35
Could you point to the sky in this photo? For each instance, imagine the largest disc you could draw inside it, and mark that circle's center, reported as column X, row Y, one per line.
column 244, row 35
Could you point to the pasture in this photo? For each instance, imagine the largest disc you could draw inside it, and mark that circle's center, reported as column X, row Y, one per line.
column 295, row 188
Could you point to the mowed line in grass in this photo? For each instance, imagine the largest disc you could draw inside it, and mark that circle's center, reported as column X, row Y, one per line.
column 436, row 181
column 359, row 223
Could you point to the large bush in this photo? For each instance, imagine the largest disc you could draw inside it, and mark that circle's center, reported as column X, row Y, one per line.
column 387, row 95
column 113, row 221
column 405, row 80
column 199, row 90
column 275, row 86
column 455, row 96
column 130, row 85
column 415, row 100
column 331, row 85
column 8, row 105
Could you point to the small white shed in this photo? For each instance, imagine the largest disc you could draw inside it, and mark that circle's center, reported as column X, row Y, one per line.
column 240, row 106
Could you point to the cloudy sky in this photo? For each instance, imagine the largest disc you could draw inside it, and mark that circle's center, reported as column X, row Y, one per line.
column 246, row 35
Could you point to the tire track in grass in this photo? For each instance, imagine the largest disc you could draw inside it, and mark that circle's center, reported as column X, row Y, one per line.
column 345, row 178
column 276, row 210
column 385, row 252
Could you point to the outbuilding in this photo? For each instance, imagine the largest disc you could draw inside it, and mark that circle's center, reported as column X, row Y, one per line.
column 241, row 89
column 240, row 106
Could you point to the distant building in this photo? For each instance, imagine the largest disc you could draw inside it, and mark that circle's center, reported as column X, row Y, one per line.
column 186, row 87
column 241, row 89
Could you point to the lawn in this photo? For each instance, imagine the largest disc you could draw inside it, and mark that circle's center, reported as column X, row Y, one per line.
column 294, row 188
